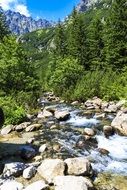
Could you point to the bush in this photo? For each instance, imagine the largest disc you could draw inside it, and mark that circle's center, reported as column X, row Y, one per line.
column 14, row 114
column 64, row 75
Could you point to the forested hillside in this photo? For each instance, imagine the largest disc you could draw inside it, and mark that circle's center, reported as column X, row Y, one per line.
column 82, row 57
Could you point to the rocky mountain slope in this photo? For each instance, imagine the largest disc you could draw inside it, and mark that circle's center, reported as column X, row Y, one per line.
column 85, row 4
column 20, row 24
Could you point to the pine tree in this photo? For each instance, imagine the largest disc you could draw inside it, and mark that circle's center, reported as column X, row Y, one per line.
column 116, row 35
column 60, row 40
column 95, row 43
column 4, row 31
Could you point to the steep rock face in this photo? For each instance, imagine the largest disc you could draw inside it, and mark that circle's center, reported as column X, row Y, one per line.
column 84, row 5
column 20, row 24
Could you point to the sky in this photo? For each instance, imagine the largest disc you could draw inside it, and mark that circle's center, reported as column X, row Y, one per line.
column 47, row 9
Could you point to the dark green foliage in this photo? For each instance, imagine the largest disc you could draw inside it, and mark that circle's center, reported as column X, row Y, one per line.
column 4, row 31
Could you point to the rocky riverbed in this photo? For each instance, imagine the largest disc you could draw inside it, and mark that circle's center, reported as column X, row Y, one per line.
column 66, row 146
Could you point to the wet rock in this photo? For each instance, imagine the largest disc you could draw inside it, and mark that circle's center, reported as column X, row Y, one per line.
column 22, row 126
column 103, row 151
column 27, row 152
column 62, row 115
column 44, row 114
column 14, row 169
column 11, row 185
column 78, row 166
column 72, row 183
column 51, row 168
column 29, row 172
column 119, row 123
column 38, row 185
column 33, row 127
column 89, row 131
column 108, row 130
column 43, row 148
column 6, row 130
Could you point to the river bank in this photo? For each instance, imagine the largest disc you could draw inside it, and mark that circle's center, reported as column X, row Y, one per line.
column 60, row 131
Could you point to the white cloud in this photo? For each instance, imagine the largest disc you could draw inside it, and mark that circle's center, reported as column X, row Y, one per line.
column 15, row 5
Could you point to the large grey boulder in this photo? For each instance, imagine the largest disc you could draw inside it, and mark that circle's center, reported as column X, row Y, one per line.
column 51, row 168
column 72, row 183
column 6, row 130
column 38, row 185
column 119, row 123
column 62, row 115
column 14, row 169
column 78, row 166
column 11, row 185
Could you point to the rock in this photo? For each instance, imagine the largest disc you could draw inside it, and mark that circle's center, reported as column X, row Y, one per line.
column 33, row 127
column 51, row 168
column 6, row 130
column 22, row 126
column 54, row 127
column 31, row 140
column 111, row 109
column 104, row 105
column 78, row 166
column 38, row 158
column 72, row 183
column 44, row 114
column 103, row 151
column 14, row 169
column 75, row 103
column 119, row 123
column 97, row 101
column 38, row 185
column 89, row 132
column 62, row 115
column 27, row 152
column 29, row 172
column 43, row 148
column 108, row 130
column 11, row 185
column 99, row 116
column 1, row 117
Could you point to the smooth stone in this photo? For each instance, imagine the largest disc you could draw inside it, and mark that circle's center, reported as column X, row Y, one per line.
column 22, row 126
column 103, row 151
column 51, row 168
column 11, row 185
column 38, row 185
column 33, row 127
column 78, row 166
column 43, row 148
column 72, row 183
column 89, row 131
column 62, row 115
column 6, row 130
column 29, row 172
column 108, row 130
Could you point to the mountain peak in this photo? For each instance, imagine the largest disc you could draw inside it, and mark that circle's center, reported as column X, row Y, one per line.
column 85, row 4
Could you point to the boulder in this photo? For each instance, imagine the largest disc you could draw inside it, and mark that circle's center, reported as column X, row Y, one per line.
column 112, row 108
column 33, row 127
column 103, row 151
column 72, row 183
column 51, row 168
column 14, row 169
column 29, row 172
column 78, row 166
column 108, row 130
column 22, row 126
column 38, row 185
column 62, row 115
column 27, row 152
column 119, row 123
column 11, row 185
column 89, row 132
column 44, row 114
column 1, row 117
column 6, row 130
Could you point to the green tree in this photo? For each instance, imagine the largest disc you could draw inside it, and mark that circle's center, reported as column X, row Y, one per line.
column 60, row 40
column 4, row 31
column 115, row 36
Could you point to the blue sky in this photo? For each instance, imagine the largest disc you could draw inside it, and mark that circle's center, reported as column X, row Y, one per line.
column 49, row 9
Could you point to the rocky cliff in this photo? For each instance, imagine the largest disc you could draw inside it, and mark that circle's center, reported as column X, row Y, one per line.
column 85, row 4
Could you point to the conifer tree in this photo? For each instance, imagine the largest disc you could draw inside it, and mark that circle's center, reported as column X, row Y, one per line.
column 4, row 31
column 116, row 35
